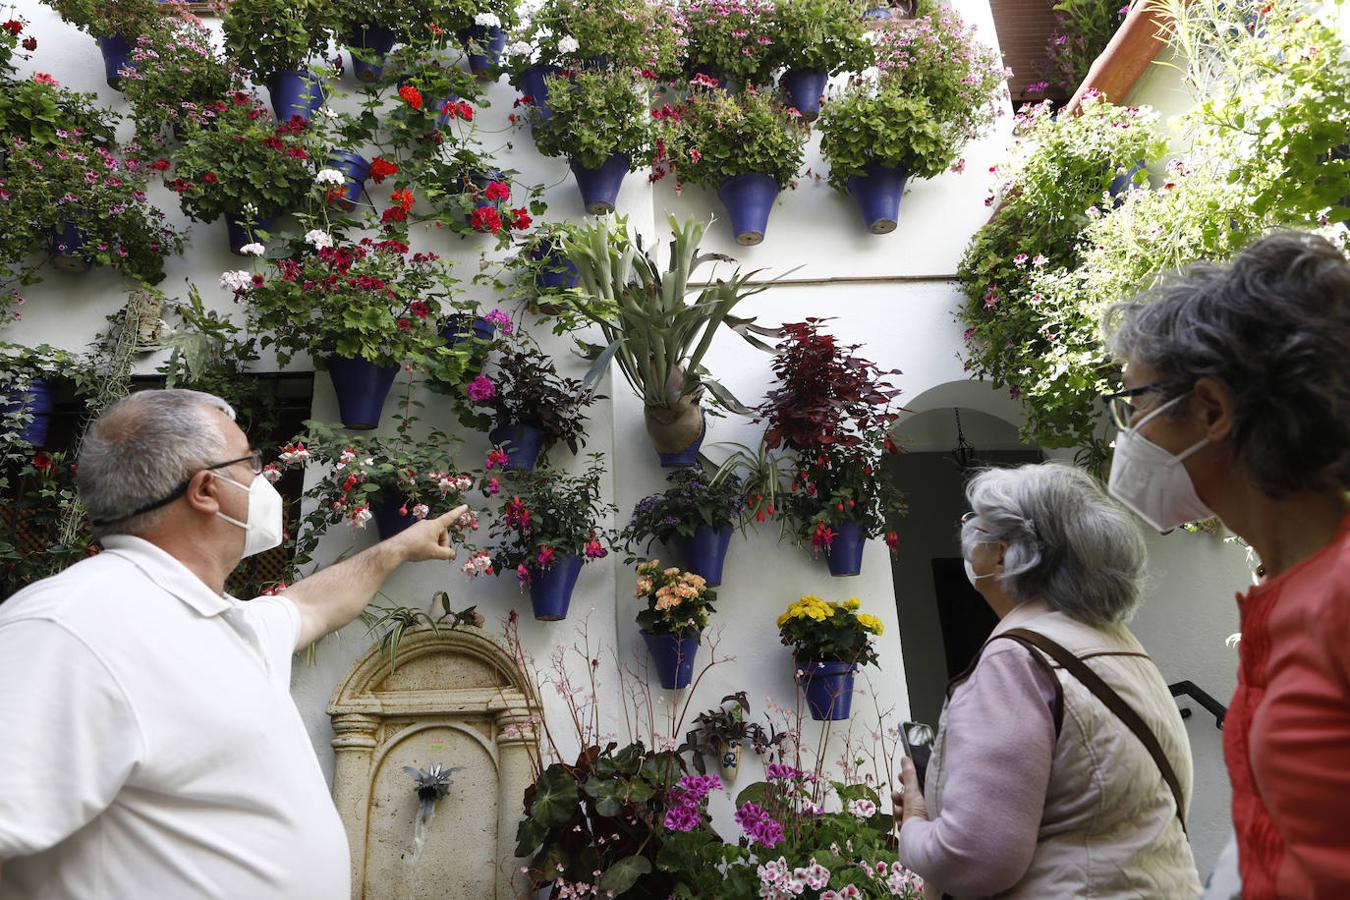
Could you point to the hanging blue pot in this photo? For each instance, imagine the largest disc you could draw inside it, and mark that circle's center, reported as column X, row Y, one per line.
column 600, row 187
column 1122, row 183
column 557, row 273
column 376, row 41
column 116, row 52
column 804, row 88
column 533, row 83
column 295, row 92
column 828, row 687
column 674, row 658
column 705, row 552
column 37, row 399
column 388, row 520
column 877, row 193
column 551, row 589
column 522, row 444
column 355, row 169
column 242, row 235
column 443, row 117
column 491, row 39
column 459, row 327
column 68, row 248
column 749, row 199
column 844, row 554
column 361, row 387
column 689, row 455
column 876, row 14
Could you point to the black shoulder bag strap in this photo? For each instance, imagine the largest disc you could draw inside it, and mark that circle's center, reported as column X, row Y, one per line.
column 1113, row 701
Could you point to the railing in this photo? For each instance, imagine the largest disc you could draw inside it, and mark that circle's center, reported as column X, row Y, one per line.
column 1192, row 690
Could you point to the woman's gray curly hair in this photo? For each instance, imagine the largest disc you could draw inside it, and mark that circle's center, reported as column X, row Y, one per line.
column 1067, row 542
column 1273, row 325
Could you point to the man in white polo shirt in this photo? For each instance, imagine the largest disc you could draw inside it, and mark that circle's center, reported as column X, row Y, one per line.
column 149, row 745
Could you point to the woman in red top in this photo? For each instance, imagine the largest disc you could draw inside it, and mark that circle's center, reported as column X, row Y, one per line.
column 1237, row 404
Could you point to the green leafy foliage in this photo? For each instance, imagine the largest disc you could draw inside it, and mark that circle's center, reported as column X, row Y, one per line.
column 35, row 109
column 824, row 35
column 694, row 499
column 717, row 135
column 624, row 34
column 826, row 631
column 268, row 36
column 730, row 39
column 128, row 18
column 595, row 114
column 390, row 623
column 876, row 124
column 1082, row 30
column 177, row 76
column 527, row 390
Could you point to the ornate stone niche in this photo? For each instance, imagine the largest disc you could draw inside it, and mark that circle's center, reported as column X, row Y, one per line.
column 455, row 699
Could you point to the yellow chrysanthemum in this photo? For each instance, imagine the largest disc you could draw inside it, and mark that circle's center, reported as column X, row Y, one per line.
column 852, row 603
column 870, row 622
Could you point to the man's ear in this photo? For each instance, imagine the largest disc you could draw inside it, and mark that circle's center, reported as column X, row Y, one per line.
column 1213, row 403
column 203, row 493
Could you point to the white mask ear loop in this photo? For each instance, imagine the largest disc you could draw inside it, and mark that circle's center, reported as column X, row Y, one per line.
column 228, row 480
column 1184, row 454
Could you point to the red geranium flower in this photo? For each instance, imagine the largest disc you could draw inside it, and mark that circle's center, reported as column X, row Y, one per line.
column 522, row 218
column 30, row 43
column 497, row 190
column 211, row 178
column 411, row 96
column 13, row 26
column 486, row 218
column 403, row 199
column 381, row 168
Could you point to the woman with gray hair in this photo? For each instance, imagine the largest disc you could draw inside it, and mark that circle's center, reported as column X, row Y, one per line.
column 1061, row 767
column 1237, row 405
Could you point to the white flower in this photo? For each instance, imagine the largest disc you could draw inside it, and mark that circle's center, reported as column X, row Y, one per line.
column 319, row 239
column 361, row 517
column 420, row 511
column 863, row 809
column 487, row 20
column 330, row 176
column 568, row 44
column 463, row 483
column 1039, row 260
column 520, row 48
column 236, row 281
column 254, row 249
column 271, row 472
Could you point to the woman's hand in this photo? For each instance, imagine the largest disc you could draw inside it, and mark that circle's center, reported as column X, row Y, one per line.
column 908, row 803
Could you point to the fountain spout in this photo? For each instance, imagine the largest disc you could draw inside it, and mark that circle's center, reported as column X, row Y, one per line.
column 431, row 784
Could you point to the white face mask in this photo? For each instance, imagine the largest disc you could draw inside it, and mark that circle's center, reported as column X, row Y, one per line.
column 972, row 577
column 1153, row 482
column 262, row 531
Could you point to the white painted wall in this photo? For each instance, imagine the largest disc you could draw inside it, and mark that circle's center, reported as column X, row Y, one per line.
column 898, row 300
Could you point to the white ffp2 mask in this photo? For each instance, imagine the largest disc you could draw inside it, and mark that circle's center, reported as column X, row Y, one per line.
column 262, row 530
column 1153, row 482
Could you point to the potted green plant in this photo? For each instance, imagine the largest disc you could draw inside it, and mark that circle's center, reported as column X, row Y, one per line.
column 678, row 606
column 39, row 497
column 624, row 34
column 745, row 145
column 483, row 34
column 244, row 167
column 33, row 110
column 29, row 377
column 833, row 410
column 363, row 308
column 694, row 516
column 86, row 206
column 937, row 88
column 471, row 195
column 176, row 76
column 829, row 642
column 115, row 23
column 654, row 332
column 601, row 123
column 812, row 40
column 273, row 41
column 721, row 733
column 529, row 406
column 394, row 481
column 728, row 41
column 552, row 524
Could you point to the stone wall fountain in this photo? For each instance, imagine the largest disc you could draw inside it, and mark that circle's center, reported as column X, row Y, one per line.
column 453, row 705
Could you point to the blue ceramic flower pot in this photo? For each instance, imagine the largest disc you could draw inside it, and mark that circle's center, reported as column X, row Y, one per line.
column 492, row 40
column 374, row 41
column 829, row 689
column 600, row 187
column 388, row 520
column 878, row 193
column 356, row 169
column 68, row 248
column 522, row 444
column 674, row 658
column 361, row 387
column 116, row 52
column 459, row 327
column 295, row 92
column 39, row 404
column 1122, row 183
column 533, row 83
column 689, row 455
column 551, row 589
column 749, row 199
column 241, row 234
column 844, row 555
column 558, row 273
column 705, row 552
column 804, row 88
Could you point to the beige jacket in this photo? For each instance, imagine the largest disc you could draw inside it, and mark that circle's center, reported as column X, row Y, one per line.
column 1109, row 828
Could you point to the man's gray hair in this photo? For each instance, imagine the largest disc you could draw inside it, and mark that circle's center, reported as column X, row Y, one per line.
column 1068, row 543
column 1273, row 326
column 140, row 450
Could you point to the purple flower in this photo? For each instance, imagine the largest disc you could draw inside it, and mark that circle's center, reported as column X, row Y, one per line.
column 758, row 825
column 481, row 388
column 777, row 772
column 501, row 320
column 682, row 817
column 696, row 787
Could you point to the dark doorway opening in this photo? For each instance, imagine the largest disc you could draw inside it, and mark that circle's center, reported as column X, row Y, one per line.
column 965, row 618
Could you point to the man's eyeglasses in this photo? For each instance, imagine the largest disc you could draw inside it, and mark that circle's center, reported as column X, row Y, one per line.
column 254, row 460
column 1121, row 409
column 971, row 517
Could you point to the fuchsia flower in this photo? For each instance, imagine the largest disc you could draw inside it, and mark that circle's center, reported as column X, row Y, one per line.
column 496, row 458
column 546, row 557
column 481, row 388
column 501, row 319
column 594, row 549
